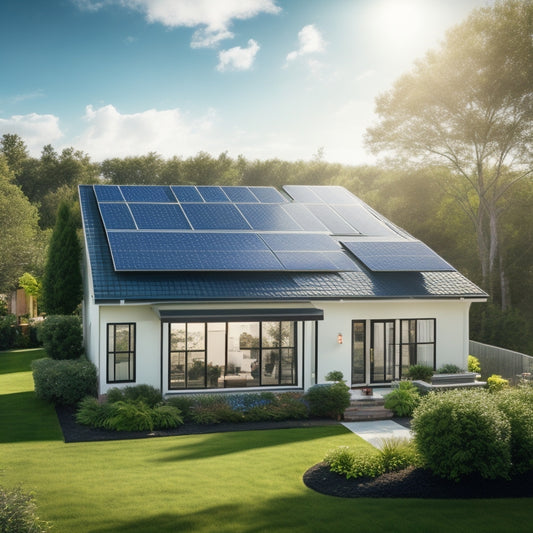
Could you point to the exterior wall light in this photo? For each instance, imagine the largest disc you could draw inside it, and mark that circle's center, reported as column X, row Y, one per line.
column 339, row 338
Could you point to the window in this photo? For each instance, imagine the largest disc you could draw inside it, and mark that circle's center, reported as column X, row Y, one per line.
column 232, row 354
column 120, row 353
column 417, row 343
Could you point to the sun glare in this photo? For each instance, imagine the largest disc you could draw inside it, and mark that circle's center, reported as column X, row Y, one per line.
column 399, row 19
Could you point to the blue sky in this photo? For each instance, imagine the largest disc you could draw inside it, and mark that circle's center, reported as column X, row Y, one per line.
column 261, row 78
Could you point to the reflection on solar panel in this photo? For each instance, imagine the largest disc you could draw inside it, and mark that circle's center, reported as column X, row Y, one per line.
column 108, row 193
column 239, row 194
column 312, row 242
column 215, row 216
column 332, row 220
column 268, row 217
column 268, row 195
column 397, row 256
column 185, row 193
column 159, row 216
column 316, row 261
column 304, row 217
column 147, row 193
column 212, row 194
column 302, row 194
column 334, row 195
column 116, row 216
column 363, row 220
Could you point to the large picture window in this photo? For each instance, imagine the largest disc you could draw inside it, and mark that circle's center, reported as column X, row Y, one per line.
column 417, row 343
column 232, row 354
column 120, row 353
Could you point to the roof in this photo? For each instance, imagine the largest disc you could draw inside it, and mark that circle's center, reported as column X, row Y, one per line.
column 185, row 243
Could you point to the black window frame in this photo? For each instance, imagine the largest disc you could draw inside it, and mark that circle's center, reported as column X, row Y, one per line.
column 131, row 352
column 412, row 346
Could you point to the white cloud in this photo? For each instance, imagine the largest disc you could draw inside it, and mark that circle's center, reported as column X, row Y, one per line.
column 213, row 16
column 168, row 132
column 310, row 41
column 238, row 58
column 36, row 130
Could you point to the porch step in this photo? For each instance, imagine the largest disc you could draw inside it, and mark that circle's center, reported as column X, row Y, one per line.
column 367, row 412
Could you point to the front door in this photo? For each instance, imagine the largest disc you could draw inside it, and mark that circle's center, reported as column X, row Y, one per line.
column 382, row 351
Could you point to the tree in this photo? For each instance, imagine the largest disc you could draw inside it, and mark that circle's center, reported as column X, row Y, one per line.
column 62, row 284
column 15, row 151
column 469, row 106
column 19, row 231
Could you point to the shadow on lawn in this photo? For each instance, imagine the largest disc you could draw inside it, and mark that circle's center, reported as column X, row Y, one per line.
column 24, row 418
column 219, row 444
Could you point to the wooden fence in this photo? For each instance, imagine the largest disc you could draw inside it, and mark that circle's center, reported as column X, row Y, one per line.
column 506, row 363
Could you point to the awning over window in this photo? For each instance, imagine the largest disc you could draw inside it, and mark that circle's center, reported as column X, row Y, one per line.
column 240, row 315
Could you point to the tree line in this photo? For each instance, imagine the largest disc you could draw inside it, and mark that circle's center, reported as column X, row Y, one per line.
column 457, row 131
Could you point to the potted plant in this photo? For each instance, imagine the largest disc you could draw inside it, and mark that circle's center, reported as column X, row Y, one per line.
column 213, row 373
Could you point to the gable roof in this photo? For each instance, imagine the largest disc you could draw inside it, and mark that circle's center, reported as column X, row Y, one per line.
column 185, row 243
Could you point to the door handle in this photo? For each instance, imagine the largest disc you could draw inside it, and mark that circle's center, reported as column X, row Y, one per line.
column 371, row 355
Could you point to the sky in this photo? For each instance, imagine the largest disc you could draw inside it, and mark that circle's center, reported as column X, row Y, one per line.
column 286, row 79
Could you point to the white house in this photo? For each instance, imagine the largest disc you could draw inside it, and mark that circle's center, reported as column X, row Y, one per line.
column 208, row 288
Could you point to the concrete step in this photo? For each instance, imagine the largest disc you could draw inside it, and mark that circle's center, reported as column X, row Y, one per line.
column 370, row 402
column 376, row 412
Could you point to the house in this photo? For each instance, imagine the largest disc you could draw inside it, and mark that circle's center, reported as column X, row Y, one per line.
column 223, row 288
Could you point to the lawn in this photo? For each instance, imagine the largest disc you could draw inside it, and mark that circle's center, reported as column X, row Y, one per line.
column 227, row 482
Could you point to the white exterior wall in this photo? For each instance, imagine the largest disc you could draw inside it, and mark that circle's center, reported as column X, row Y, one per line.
column 451, row 335
column 451, row 329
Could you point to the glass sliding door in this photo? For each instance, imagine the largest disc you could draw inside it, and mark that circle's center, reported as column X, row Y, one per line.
column 382, row 351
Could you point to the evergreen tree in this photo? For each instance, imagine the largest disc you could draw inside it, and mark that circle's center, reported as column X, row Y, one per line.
column 62, row 284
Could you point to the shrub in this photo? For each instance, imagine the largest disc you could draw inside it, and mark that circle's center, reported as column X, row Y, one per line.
column 64, row 382
column 496, row 383
column 473, row 364
column 136, row 393
column 166, row 417
column 396, row 454
column 403, row 399
column 460, row 432
column 334, row 375
column 449, row 369
column 129, row 416
column 420, row 372
column 184, row 403
column 517, row 405
column 328, row 400
column 62, row 336
column 18, row 512
column 92, row 413
column 8, row 331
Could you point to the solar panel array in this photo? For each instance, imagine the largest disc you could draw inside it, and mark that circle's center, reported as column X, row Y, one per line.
column 214, row 228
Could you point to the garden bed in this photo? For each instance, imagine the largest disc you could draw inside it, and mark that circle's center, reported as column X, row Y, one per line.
column 415, row 483
column 74, row 432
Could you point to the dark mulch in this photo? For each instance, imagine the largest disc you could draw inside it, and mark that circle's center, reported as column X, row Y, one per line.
column 74, row 432
column 415, row 483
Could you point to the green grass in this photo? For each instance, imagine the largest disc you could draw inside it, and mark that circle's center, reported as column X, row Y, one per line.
column 227, row 482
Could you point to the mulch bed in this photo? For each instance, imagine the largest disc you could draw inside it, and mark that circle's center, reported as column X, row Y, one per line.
column 415, row 483
column 74, row 432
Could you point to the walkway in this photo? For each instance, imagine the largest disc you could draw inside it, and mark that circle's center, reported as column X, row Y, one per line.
column 376, row 430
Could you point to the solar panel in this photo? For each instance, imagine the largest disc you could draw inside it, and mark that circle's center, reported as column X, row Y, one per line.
column 332, row 220
column 147, row 193
column 363, row 220
column 268, row 195
column 212, row 194
column 215, row 216
column 303, row 194
column 304, row 217
column 116, row 216
column 397, row 256
column 268, row 217
column 186, row 193
column 108, row 193
column 317, row 261
column 159, row 216
column 239, row 194
column 333, row 194
column 310, row 242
